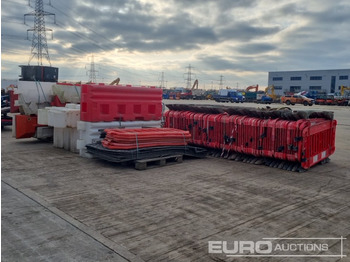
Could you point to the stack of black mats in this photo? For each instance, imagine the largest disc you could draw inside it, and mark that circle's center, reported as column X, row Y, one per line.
column 119, row 156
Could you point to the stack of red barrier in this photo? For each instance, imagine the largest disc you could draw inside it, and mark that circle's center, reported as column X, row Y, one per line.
column 146, row 137
column 13, row 98
column 307, row 141
column 101, row 102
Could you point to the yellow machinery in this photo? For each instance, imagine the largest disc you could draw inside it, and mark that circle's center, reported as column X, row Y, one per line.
column 343, row 89
column 270, row 91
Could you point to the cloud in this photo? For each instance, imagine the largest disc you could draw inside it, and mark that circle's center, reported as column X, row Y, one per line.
column 242, row 39
column 217, row 63
column 256, row 48
column 243, row 31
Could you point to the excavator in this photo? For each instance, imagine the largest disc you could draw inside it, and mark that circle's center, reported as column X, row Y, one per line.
column 268, row 96
column 252, row 95
column 197, row 94
column 115, row 82
column 344, row 101
column 256, row 87
column 195, row 85
column 270, row 91
column 343, row 89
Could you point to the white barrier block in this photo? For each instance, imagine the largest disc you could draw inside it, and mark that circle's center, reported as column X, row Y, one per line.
column 74, row 135
column 73, row 116
column 66, row 138
column 58, row 137
column 62, row 117
column 43, row 116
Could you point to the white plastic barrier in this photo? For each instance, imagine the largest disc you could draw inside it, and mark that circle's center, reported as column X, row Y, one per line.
column 72, row 134
column 67, row 92
column 60, row 117
column 32, row 95
column 43, row 116
column 64, row 121
column 66, row 138
column 89, row 132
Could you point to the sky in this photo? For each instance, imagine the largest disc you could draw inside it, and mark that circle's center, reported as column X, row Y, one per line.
column 139, row 41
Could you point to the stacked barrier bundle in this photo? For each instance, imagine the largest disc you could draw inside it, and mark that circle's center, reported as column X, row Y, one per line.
column 306, row 141
column 153, row 144
column 120, row 103
column 109, row 106
column 143, row 138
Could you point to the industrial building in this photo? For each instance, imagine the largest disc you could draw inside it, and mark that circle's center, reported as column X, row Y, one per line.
column 325, row 81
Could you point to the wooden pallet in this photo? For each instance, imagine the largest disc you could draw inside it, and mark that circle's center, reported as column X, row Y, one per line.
column 157, row 162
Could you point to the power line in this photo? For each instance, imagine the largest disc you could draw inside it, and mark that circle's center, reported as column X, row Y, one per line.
column 162, row 80
column 89, row 29
column 39, row 41
column 189, row 76
column 7, row 36
column 221, row 82
column 92, row 72
column 13, row 2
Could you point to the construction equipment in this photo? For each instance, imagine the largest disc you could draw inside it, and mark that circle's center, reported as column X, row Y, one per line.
column 195, row 85
column 256, row 87
column 251, row 96
column 343, row 89
column 270, row 91
column 115, row 82
column 197, row 94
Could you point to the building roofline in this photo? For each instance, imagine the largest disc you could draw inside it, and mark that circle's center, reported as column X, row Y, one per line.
column 313, row 70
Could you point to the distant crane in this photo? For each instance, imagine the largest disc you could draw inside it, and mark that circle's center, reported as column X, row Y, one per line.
column 115, row 82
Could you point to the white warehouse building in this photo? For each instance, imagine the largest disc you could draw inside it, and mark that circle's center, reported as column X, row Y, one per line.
column 325, row 81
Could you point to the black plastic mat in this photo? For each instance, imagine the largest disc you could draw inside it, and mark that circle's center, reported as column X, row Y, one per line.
column 119, row 156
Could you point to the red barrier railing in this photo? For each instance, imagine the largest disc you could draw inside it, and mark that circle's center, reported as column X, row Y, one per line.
column 307, row 141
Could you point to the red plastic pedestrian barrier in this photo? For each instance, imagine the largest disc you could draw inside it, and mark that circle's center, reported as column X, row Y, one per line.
column 307, row 141
column 318, row 142
column 120, row 103
column 213, row 129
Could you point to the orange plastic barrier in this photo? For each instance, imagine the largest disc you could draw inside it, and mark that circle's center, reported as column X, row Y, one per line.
column 26, row 126
column 144, row 137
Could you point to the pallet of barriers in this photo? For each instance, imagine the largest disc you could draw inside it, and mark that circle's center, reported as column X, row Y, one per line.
column 125, row 155
column 145, row 147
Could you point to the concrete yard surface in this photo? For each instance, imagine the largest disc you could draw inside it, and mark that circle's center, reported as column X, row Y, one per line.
column 31, row 232
column 57, row 206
